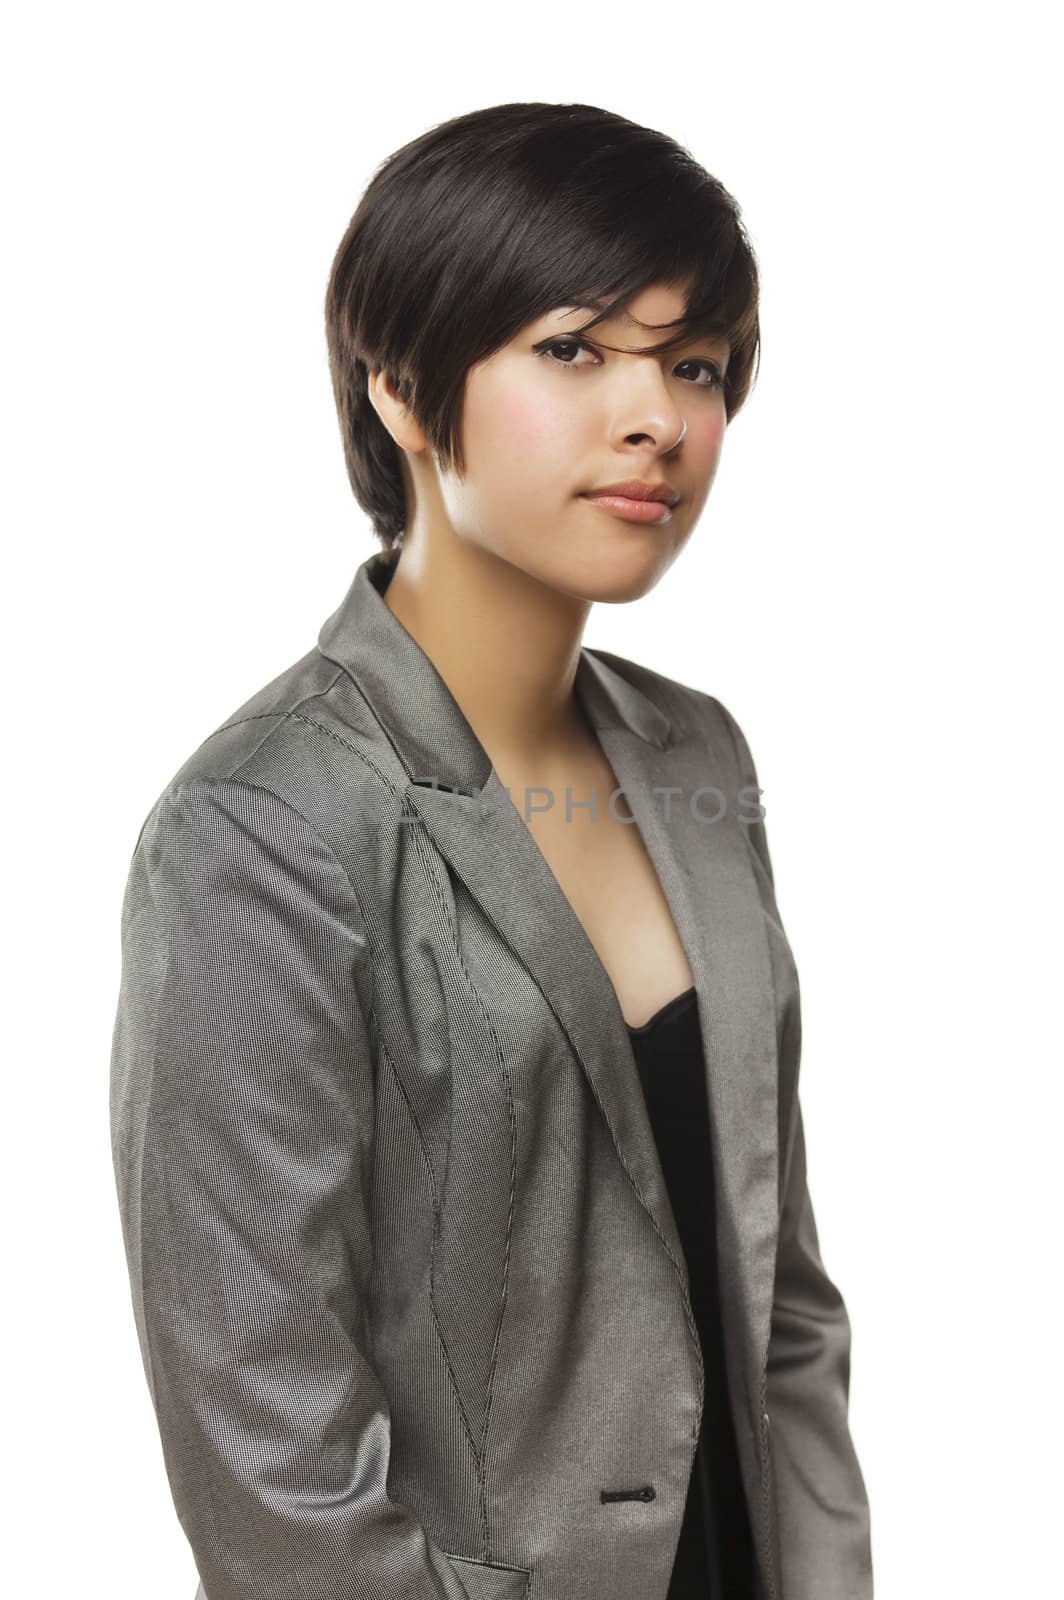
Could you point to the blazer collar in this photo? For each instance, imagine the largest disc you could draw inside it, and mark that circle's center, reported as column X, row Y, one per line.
column 421, row 717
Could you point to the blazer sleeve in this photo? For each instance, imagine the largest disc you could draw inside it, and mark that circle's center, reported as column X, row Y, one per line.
column 822, row 1504
column 241, row 1106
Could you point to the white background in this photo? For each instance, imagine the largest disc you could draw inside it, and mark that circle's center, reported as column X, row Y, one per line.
column 870, row 591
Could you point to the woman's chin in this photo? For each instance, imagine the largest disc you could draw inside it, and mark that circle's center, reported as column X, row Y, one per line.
column 615, row 577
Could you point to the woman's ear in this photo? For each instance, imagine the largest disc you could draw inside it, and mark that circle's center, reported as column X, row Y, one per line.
column 400, row 424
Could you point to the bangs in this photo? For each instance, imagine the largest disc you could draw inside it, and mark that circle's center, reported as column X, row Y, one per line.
column 593, row 210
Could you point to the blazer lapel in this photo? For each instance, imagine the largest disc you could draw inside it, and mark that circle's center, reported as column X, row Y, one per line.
column 705, row 872
column 707, row 879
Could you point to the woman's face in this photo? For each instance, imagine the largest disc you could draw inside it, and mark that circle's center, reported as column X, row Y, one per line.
column 549, row 418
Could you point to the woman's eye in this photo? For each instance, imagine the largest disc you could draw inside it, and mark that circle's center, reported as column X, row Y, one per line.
column 560, row 349
column 563, row 344
column 714, row 378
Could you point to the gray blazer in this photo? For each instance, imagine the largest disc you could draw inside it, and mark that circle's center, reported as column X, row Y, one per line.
column 410, row 1295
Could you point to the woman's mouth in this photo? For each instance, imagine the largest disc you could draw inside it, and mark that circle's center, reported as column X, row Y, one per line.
column 655, row 511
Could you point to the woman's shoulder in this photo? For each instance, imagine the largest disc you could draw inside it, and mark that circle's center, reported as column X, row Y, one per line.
column 304, row 737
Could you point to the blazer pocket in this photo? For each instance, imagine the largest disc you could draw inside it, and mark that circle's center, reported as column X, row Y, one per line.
column 485, row 1580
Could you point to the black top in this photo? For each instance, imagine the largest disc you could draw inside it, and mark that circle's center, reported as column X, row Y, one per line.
column 715, row 1555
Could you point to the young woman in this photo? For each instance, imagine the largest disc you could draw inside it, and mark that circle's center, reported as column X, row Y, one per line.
column 455, row 1114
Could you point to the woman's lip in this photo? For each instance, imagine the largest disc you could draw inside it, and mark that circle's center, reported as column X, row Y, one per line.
column 655, row 511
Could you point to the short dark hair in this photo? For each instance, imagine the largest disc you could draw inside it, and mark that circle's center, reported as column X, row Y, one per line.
column 490, row 220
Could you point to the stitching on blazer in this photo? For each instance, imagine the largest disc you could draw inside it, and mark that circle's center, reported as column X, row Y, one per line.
column 493, row 1566
column 467, row 1430
column 259, row 716
column 297, row 716
column 416, row 836
column 479, row 1457
column 244, row 783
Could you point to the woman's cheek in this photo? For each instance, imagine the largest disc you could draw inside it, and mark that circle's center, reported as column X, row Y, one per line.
column 537, row 424
column 706, row 434
column 703, row 445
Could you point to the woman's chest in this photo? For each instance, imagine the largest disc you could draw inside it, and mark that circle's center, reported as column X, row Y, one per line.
column 600, row 862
